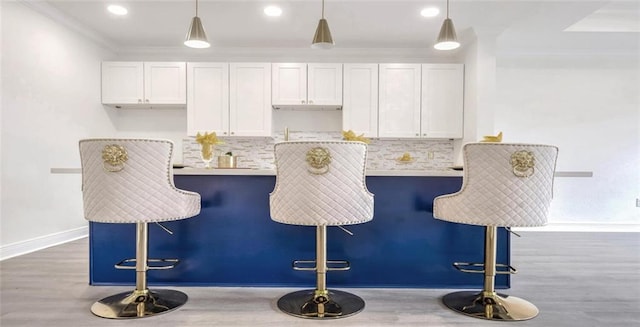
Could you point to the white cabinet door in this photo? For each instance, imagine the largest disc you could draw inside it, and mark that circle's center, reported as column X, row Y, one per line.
column 360, row 107
column 122, row 82
column 307, row 84
column 138, row 83
column 324, row 84
column 442, row 100
column 208, row 98
column 289, row 84
column 399, row 94
column 165, row 82
column 250, row 99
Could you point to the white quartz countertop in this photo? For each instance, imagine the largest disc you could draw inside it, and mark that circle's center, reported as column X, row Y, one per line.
column 268, row 172
column 240, row 171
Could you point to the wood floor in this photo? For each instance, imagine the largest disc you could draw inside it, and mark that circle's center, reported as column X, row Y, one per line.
column 575, row 279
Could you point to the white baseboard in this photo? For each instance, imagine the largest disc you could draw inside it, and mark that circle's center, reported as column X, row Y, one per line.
column 583, row 227
column 42, row 242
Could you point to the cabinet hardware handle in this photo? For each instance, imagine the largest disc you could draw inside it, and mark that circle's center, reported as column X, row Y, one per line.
column 302, row 101
column 310, row 101
column 146, row 100
column 139, row 100
column 225, row 133
column 417, row 134
column 232, row 133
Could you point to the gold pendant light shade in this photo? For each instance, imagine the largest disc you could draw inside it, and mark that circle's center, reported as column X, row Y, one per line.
column 447, row 39
column 196, row 36
column 322, row 39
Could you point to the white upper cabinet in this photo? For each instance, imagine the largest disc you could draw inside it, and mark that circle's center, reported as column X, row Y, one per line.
column 399, row 111
column 421, row 100
column 229, row 99
column 122, row 82
column 250, row 99
column 207, row 98
column 307, row 84
column 324, row 84
column 148, row 83
column 442, row 100
column 360, row 107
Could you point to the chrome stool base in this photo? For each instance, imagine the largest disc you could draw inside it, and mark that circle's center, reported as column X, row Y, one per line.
column 138, row 304
column 492, row 306
column 304, row 304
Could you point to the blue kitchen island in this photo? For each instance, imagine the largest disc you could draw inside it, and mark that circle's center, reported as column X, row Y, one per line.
column 234, row 242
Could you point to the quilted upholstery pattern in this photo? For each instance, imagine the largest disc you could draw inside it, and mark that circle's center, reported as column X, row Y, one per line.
column 492, row 195
column 338, row 197
column 142, row 192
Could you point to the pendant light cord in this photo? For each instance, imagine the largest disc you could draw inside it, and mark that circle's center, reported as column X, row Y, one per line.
column 197, row 8
column 447, row 9
column 322, row 9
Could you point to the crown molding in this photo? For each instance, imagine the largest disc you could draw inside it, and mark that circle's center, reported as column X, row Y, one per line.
column 59, row 17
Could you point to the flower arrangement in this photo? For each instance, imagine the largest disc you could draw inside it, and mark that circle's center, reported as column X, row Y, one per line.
column 351, row 136
column 207, row 141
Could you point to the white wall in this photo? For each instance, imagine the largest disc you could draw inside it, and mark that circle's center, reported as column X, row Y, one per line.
column 589, row 106
column 1, row 111
column 50, row 99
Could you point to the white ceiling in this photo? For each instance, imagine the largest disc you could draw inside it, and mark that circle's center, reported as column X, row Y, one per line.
column 522, row 25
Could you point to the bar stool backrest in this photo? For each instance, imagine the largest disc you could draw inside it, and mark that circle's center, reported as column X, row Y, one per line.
column 131, row 181
column 504, row 185
column 321, row 183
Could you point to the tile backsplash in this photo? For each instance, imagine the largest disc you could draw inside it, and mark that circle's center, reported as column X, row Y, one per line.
column 257, row 152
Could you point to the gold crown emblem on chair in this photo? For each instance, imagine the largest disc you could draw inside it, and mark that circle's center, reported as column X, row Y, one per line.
column 318, row 159
column 523, row 162
column 114, row 157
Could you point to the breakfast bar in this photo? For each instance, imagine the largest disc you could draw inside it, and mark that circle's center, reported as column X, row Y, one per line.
column 234, row 242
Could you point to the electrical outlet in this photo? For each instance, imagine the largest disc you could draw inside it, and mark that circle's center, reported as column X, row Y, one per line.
column 430, row 155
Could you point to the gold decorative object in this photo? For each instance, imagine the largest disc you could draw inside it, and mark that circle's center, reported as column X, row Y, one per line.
column 406, row 157
column 114, row 157
column 351, row 136
column 523, row 162
column 491, row 138
column 207, row 142
column 318, row 159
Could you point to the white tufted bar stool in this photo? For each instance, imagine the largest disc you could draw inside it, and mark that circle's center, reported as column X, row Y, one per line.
column 321, row 184
column 504, row 185
column 130, row 181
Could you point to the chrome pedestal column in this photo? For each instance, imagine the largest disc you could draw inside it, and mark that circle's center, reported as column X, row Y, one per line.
column 488, row 304
column 321, row 303
column 142, row 302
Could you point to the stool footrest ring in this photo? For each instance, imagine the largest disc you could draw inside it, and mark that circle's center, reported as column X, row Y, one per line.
column 332, row 265
column 152, row 264
column 478, row 268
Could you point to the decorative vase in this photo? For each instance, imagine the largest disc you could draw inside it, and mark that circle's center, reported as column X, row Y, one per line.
column 206, row 154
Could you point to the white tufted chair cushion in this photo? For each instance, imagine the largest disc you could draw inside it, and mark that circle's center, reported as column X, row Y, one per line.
column 143, row 191
column 337, row 197
column 492, row 195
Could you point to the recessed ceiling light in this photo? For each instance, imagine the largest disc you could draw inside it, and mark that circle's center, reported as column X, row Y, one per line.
column 117, row 10
column 430, row 12
column 272, row 11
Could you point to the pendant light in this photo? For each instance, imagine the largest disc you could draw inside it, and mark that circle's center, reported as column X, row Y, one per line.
column 196, row 37
column 447, row 39
column 322, row 39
